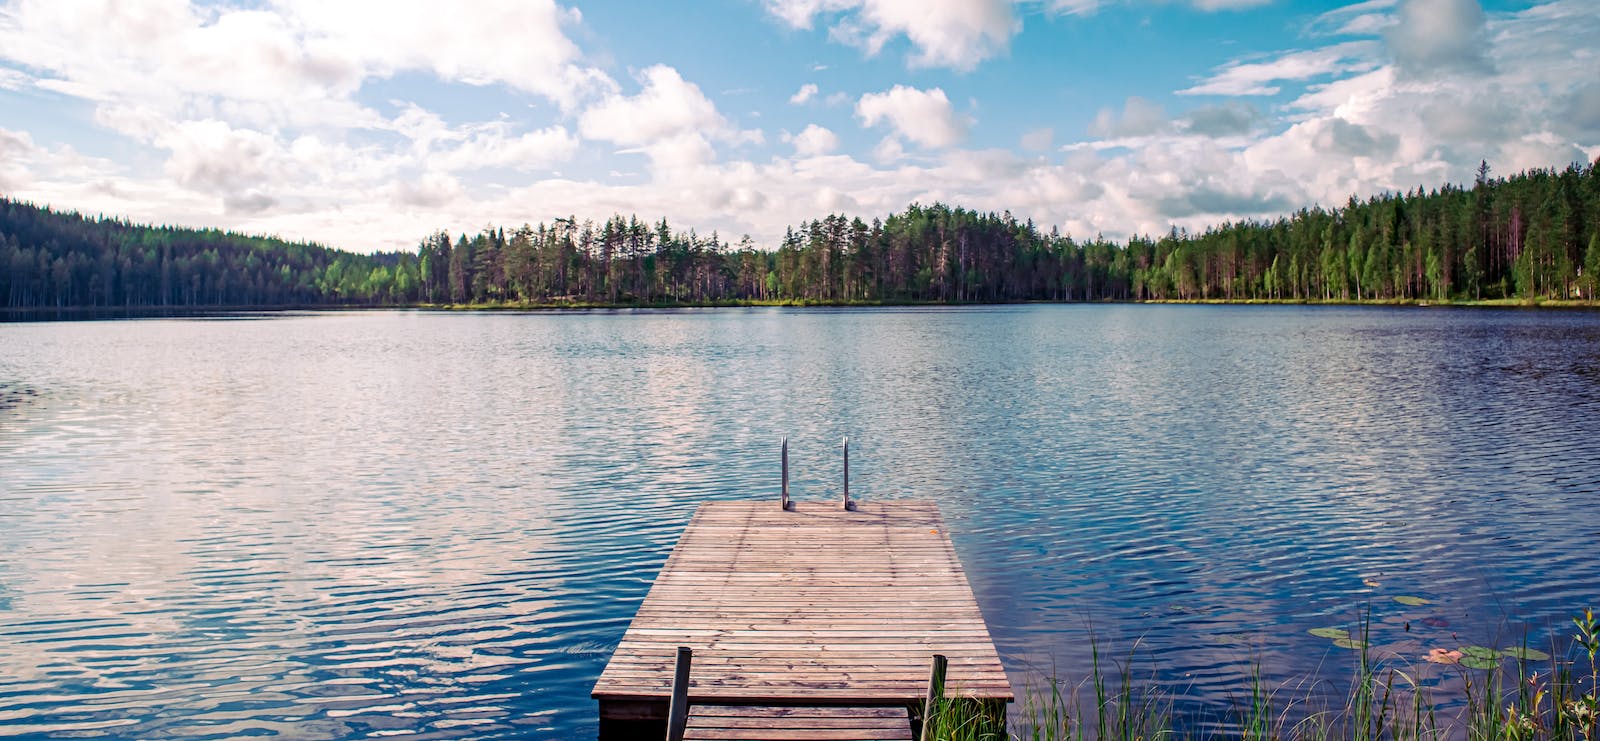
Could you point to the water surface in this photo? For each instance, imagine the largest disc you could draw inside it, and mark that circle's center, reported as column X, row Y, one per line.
column 439, row 525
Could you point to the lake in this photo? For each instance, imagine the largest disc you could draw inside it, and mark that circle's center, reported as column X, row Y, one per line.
column 439, row 525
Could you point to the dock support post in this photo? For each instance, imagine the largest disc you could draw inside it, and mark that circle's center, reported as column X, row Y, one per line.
column 678, row 707
column 930, row 707
column 785, row 501
column 848, row 505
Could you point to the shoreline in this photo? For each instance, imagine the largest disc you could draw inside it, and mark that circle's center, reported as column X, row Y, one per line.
column 24, row 314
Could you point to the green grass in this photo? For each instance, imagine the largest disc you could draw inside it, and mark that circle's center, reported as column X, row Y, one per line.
column 1524, row 695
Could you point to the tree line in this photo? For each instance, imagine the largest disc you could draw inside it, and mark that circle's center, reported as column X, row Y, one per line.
column 1533, row 235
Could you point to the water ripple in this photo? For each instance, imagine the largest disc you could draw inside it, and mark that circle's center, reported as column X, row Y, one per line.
column 439, row 525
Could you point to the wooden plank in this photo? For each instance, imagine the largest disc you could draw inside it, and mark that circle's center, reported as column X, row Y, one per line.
column 815, row 605
column 758, row 723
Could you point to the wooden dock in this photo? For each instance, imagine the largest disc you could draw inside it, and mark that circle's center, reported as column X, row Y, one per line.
column 792, row 612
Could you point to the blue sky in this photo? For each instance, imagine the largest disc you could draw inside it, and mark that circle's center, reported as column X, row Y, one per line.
column 368, row 124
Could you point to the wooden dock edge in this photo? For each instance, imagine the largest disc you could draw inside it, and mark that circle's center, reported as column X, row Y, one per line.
column 737, row 557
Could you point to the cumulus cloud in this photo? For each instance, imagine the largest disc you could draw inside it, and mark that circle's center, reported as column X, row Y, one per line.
column 212, row 155
column 15, row 145
column 832, row 200
column 466, row 47
column 888, row 151
column 1474, row 121
column 1139, row 117
column 670, row 119
column 356, row 171
column 16, row 149
column 493, row 145
column 922, row 116
column 1229, row 118
column 257, row 108
column 805, row 93
column 291, row 61
column 432, row 190
column 946, row 33
column 1339, row 136
column 248, row 203
column 1038, row 140
column 813, row 141
column 666, row 106
column 740, row 199
column 1215, row 201
column 1581, row 110
column 1432, row 37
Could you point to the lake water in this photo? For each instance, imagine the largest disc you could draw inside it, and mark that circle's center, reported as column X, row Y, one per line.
column 439, row 525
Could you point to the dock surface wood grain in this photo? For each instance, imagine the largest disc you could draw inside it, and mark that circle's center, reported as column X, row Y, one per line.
column 747, row 723
column 816, row 606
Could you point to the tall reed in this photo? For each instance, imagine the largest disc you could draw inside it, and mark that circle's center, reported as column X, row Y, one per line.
column 1537, row 697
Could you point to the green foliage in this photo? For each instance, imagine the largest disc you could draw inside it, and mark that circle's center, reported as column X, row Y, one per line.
column 1387, row 698
column 1056, row 709
column 55, row 259
column 1502, row 239
column 1591, row 267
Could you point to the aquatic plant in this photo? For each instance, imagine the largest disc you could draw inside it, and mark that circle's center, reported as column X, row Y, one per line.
column 1512, row 694
column 1053, row 709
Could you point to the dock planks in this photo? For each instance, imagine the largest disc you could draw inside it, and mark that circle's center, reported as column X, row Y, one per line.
column 745, row 723
column 817, row 606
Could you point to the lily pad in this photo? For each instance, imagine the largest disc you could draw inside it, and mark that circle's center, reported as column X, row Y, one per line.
column 1526, row 654
column 1406, row 599
column 1481, row 652
column 1444, row 656
column 1371, row 583
column 1349, row 643
column 1334, row 633
column 1473, row 662
column 1436, row 622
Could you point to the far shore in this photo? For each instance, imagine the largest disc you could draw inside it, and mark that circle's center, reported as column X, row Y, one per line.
column 112, row 312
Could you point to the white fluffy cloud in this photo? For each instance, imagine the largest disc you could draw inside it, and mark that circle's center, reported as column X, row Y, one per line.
column 470, row 46
column 430, row 191
column 1139, row 117
column 922, row 116
column 666, row 106
column 1396, row 126
column 211, row 155
column 292, row 62
column 262, row 119
column 493, row 145
column 670, row 119
column 805, row 93
column 946, row 33
column 256, row 108
column 814, row 140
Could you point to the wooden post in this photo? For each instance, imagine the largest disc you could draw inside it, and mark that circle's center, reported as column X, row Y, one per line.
column 848, row 505
column 678, row 707
column 785, row 501
column 930, row 707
